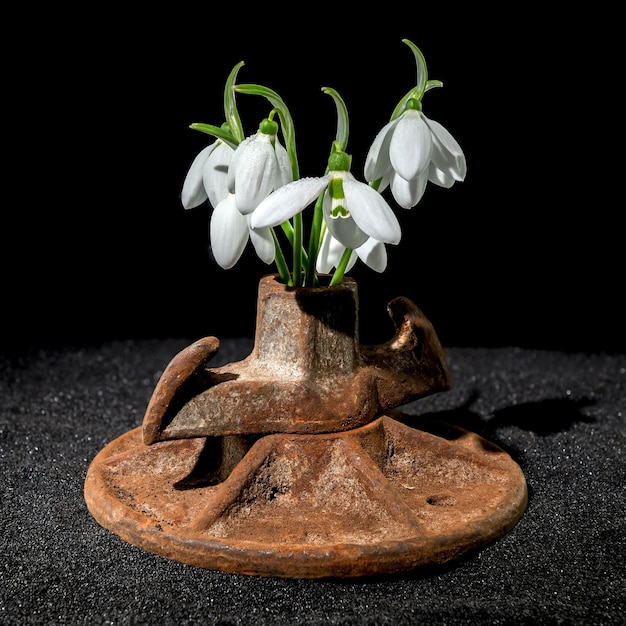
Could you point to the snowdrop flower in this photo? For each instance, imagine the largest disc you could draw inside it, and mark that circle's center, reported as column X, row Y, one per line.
column 207, row 176
column 259, row 165
column 234, row 181
column 411, row 150
column 230, row 232
column 353, row 211
column 253, row 184
column 373, row 253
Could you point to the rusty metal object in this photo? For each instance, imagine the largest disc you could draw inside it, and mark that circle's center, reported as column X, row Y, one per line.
column 382, row 498
column 307, row 372
column 292, row 462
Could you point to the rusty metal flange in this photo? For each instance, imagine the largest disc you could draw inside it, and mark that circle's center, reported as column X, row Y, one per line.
column 382, row 498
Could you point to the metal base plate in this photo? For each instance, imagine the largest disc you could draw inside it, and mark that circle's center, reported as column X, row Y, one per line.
column 384, row 498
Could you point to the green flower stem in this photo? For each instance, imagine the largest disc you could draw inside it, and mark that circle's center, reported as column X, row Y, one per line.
column 314, row 241
column 289, row 233
column 341, row 268
column 288, row 230
column 297, row 250
column 281, row 264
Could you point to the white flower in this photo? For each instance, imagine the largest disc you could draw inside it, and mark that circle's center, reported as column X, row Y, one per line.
column 373, row 253
column 353, row 210
column 259, row 165
column 207, row 176
column 410, row 151
column 230, row 231
column 234, row 182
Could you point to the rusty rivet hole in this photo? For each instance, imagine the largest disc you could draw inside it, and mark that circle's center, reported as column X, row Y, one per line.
column 441, row 499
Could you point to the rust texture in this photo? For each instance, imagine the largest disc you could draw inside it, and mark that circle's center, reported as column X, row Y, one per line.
column 293, row 461
column 307, row 372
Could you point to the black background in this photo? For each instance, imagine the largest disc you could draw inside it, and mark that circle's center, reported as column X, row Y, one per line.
column 526, row 252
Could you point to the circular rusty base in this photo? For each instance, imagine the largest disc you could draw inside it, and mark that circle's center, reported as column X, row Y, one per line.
column 383, row 498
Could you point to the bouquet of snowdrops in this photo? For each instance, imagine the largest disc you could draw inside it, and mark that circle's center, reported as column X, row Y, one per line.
column 254, row 187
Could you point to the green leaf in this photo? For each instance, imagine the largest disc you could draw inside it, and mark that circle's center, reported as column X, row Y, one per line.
column 288, row 129
column 343, row 125
column 217, row 132
column 431, row 84
column 230, row 106
column 422, row 71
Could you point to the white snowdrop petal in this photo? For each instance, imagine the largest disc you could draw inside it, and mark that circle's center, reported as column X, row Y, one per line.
column 407, row 193
column 263, row 242
column 284, row 173
column 325, row 259
column 374, row 254
column 447, row 153
column 371, row 212
column 239, row 150
column 254, row 175
column 345, row 230
column 228, row 232
column 287, row 200
column 377, row 162
column 215, row 173
column 439, row 177
column 193, row 192
column 411, row 145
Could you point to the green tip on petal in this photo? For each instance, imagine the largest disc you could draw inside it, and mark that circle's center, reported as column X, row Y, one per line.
column 335, row 188
column 339, row 211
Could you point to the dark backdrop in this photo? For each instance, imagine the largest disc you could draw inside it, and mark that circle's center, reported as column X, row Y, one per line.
column 526, row 252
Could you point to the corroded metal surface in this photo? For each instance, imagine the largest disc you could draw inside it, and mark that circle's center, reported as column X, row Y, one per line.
column 386, row 497
column 292, row 463
column 307, row 372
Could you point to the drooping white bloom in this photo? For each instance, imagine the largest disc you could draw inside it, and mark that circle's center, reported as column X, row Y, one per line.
column 259, row 165
column 353, row 210
column 330, row 254
column 235, row 181
column 411, row 150
column 230, row 231
column 207, row 176
column 373, row 253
